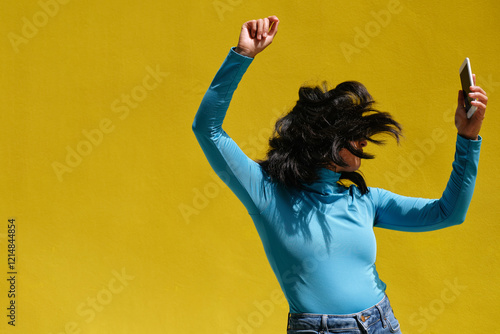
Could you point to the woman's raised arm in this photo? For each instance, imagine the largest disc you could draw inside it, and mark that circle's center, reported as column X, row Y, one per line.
column 242, row 175
column 417, row 214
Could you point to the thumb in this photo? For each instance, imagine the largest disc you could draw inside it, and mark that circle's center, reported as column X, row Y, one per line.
column 274, row 21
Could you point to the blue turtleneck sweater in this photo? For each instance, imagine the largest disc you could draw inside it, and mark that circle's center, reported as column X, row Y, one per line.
column 320, row 240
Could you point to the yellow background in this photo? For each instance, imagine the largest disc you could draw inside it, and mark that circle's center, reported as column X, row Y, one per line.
column 143, row 204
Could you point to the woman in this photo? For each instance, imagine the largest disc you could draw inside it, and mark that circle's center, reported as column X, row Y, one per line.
column 317, row 233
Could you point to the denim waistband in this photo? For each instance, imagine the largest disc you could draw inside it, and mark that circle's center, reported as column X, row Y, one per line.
column 321, row 322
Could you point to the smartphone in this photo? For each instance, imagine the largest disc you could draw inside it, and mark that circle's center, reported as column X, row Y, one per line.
column 466, row 79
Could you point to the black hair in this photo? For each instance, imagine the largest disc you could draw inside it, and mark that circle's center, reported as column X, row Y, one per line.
column 323, row 122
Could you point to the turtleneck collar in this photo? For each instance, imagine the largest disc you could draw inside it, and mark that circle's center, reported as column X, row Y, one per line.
column 326, row 183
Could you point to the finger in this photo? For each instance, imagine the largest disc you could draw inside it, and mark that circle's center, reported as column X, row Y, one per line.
column 477, row 89
column 252, row 28
column 260, row 28
column 266, row 27
column 479, row 96
column 480, row 111
column 479, row 104
column 274, row 25
column 474, row 79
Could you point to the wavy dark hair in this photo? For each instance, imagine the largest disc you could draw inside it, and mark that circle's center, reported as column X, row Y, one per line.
column 323, row 122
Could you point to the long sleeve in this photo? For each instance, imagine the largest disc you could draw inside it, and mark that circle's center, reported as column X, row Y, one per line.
column 242, row 175
column 417, row 214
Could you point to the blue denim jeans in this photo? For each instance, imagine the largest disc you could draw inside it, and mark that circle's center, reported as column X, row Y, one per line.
column 378, row 319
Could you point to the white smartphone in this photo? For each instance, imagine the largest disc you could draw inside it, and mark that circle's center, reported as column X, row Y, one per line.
column 466, row 79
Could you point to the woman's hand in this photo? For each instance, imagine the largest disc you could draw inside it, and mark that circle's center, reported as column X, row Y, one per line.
column 469, row 128
column 255, row 36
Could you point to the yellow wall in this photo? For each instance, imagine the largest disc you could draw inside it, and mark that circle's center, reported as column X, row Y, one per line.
column 136, row 235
